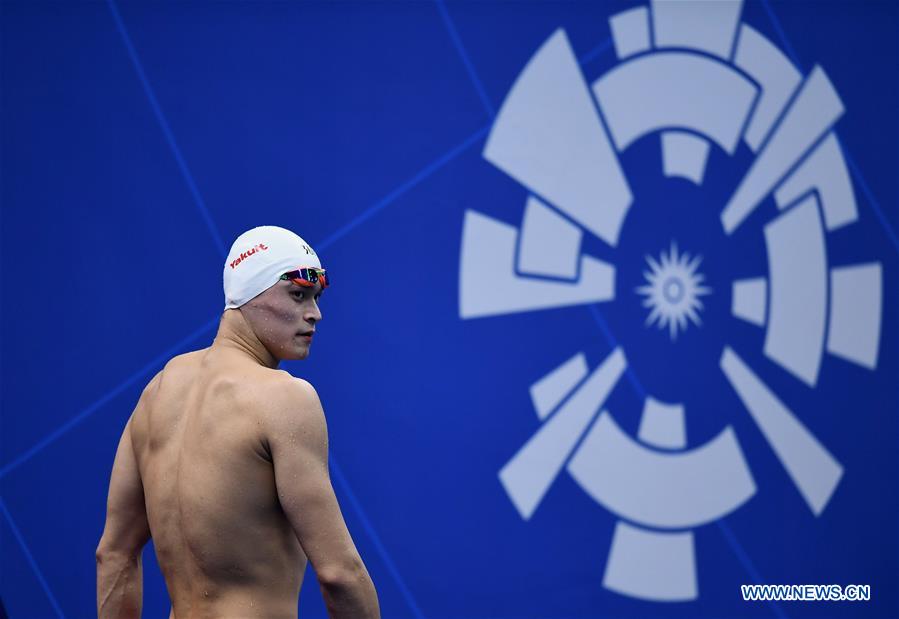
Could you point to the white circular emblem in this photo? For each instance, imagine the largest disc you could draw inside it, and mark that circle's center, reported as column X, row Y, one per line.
column 703, row 82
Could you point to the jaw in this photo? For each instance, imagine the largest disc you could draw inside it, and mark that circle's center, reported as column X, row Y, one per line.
column 297, row 352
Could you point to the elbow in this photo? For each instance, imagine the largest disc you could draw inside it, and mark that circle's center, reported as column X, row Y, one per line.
column 342, row 577
column 347, row 590
column 103, row 553
column 108, row 553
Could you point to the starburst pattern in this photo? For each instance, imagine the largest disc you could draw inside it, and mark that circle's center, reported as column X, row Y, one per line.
column 672, row 290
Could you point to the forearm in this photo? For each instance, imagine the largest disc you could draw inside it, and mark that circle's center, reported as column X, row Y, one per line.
column 119, row 585
column 352, row 597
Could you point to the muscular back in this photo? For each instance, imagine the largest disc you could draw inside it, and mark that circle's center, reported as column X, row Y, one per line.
column 223, row 540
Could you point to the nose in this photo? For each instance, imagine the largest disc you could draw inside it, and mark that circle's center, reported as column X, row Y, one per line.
column 313, row 313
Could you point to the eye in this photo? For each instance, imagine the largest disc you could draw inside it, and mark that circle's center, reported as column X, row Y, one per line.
column 298, row 294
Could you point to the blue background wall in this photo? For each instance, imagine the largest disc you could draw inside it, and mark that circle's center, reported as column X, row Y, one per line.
column 139, row 139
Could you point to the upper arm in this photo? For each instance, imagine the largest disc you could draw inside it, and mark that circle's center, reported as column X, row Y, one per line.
column 127, row 529
column 298, row 439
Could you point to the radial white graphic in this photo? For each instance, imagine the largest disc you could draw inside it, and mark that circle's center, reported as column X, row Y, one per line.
column 672, row 291
column 693, row 74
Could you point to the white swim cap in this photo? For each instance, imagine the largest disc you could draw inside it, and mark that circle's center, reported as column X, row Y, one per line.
column 257, row 260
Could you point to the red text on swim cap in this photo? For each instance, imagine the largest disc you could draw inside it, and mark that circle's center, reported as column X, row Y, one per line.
column 246, row 254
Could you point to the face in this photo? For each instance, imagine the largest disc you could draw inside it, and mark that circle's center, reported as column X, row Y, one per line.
column 283, row 318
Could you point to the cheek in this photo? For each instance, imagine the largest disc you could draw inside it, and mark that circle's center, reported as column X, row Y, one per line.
column 274, row 320
column 285, row 312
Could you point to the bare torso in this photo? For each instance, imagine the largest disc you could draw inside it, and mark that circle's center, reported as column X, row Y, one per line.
column 222, row 539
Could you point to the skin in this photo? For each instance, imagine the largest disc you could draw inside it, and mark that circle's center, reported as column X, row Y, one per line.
column 224, row 464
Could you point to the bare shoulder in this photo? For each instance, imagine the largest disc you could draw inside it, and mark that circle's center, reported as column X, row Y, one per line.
column 297, row 388
column 293, row 395
column 175, row 369
column 146, row 396
column 292, row 408
column 185, row 362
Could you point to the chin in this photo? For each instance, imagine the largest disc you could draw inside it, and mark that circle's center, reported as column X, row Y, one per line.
column 299, row 355
column 291, row 354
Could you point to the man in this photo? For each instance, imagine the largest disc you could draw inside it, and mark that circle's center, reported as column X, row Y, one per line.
column 224, row 461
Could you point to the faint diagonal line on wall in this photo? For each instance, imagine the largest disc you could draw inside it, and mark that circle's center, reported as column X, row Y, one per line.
column 866, row 189
column 595, row 53
column 466, row 60
column 157, row 362
column 747, row 564
column 613, row 344
column 30, row 558
column 587, row 58
column 164, row 125
column 853, row 167
column 427, row 171
column 778, row 28
column 376, row 540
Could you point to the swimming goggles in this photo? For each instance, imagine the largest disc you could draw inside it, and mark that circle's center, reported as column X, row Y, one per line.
column 307, row 277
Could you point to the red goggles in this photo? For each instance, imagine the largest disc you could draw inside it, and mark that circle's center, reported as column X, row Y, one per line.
column 307, row 277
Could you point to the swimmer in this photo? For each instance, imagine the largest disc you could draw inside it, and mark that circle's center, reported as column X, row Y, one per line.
column 224, row 461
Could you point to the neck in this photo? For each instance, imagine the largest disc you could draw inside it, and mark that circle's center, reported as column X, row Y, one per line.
column 236, row 334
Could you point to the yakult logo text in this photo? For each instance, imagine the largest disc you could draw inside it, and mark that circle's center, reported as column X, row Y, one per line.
column 246, row 254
